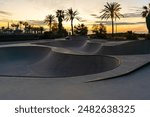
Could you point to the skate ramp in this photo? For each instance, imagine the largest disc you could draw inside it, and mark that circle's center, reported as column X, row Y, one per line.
column 64, row 43
column 90, row 47
column 130, row 48
column 36, row 61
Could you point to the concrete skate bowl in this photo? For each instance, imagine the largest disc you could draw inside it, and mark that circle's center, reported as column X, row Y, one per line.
column 41, row 62
column 64, row 43
column 130, row 48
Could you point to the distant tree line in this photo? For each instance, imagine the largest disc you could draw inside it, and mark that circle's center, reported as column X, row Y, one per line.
column 55, row 23
column 22, row 27
column 56, row 28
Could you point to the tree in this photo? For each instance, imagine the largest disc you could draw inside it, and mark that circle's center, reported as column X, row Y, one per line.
column 13, row 25
column 20, row 23
column 41, row 29
column 99, row 30
column 55, row 27
column 60, row 15
column 49, row 20
column 70, row 16
column 16, row 26
column 81, row 29
column 25, row 26
column 146, row 14
column 111, row 10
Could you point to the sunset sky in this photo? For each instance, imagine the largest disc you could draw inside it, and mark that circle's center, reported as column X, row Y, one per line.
column 34, row 11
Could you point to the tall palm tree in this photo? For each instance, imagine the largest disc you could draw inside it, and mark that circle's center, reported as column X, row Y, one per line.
column 26, row 24
column 70, row 16
column 60, row 15
column 111, row 10
column 49, row 20
column 146, row 14
column 20, row 23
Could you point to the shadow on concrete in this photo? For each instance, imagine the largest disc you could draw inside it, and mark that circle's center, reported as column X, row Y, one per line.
column 36, row 61
column 130, row 48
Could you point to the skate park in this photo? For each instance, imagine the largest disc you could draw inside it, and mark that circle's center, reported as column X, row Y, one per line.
column 78, row 68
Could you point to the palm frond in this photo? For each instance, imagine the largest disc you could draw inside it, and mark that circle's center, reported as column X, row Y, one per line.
column 111, row 10
column 71, row 15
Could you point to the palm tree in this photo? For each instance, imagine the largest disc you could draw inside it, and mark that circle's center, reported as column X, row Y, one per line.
column 111, row 10
column 49, row 20
column 25, row 26
column 70, row 16
column 146, row 14
column 60, row 15
column 20, row 23
column 16, row 26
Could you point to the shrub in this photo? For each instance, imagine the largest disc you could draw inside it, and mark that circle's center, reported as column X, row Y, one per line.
column 81, row 29
column 131, row 36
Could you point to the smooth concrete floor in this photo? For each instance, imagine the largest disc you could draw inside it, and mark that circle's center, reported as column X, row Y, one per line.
column 134, row 86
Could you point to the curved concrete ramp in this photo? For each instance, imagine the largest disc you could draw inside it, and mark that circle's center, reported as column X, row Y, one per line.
column 130, row 48
column 35, row 61
column 90, row 47
column 64, row 43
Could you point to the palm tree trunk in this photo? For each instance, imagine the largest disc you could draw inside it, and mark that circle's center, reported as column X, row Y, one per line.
column 72, row 27
column 112, row 27
column 148, row 23
column 116, row 24
column 50, row 27
column 20, row 26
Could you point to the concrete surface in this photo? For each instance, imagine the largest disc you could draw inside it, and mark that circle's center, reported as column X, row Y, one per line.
column 36, row 61
column 125, row 79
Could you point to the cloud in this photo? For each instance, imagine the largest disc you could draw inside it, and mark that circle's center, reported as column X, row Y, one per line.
column 36, row 22
column 50, row 4
column 119, row 23
column 132, row 23
column 132, row 15
column 126, row 15
column 5, row 13
column 94, row 15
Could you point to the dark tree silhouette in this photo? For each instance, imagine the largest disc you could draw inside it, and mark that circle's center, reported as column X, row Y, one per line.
column 16, row 26
column 70, row 16
column 99, row 30
column 55, row 27
column 49, row 20
column 20, row 24
column 81, row 29
column 26, row 24
column 111, row 10
column 41, row 29
column 146, row 14
column 60, row 15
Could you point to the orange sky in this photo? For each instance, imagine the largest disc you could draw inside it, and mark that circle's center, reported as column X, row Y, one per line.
column 36, row 10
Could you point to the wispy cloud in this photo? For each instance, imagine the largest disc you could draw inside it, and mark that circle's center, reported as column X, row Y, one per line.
column 132, row 15
column 119, row 23
column 94, row 15
column 50, row 4
column 36, row 22
column 126, row 15
column 5, row 13
column 132, row 23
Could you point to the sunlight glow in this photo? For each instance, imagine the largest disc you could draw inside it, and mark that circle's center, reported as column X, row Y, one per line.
column 26, row 10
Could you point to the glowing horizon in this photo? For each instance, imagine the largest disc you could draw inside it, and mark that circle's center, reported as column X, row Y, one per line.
column 35, row 11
